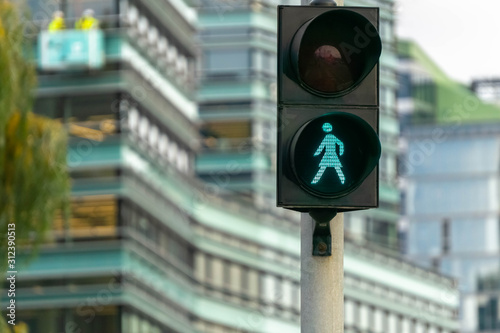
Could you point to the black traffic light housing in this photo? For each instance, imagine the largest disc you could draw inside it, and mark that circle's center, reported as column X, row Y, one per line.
column 328, row 107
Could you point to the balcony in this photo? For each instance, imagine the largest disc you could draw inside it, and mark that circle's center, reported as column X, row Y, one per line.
column 71, row 49
column 121, row 45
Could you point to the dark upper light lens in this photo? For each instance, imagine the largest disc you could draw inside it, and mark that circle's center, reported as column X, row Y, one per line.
column 333, row 53
column 325, row 70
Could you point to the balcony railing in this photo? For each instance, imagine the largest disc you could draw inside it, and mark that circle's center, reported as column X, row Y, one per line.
column 71, row 49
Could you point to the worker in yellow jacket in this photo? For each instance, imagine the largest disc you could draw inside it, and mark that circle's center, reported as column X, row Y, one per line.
column 87, row 21
column 57, row 22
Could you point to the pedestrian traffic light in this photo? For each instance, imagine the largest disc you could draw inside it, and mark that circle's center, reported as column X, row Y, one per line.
column 328, row 146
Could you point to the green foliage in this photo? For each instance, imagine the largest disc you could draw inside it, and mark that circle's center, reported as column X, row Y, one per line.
column 34, row 182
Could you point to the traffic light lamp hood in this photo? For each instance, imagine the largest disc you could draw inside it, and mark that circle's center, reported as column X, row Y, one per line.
column 332, row 53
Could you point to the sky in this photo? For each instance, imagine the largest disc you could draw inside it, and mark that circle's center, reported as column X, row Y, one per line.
column 462, row 37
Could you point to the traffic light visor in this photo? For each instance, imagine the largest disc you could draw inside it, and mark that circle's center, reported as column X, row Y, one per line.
column 332, row 53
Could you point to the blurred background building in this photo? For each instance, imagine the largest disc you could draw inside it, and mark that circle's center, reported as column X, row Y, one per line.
column 379, row 225
column 148, row 247
column 450, row 163
column 173, row 223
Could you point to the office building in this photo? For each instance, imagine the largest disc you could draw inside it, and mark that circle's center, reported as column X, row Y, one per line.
column 450, row 165
column 148, row 247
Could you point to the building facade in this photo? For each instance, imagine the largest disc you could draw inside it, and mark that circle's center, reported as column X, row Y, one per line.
column 148, row 247
column 237, row 99
column 385, row 294
column 450, row 186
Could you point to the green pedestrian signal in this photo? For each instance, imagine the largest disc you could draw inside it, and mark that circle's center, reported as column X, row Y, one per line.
column 328, row 107
column 332, row 154
column 330, row 158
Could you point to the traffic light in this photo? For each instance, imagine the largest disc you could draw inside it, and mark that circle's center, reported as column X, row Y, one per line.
column 328, row 107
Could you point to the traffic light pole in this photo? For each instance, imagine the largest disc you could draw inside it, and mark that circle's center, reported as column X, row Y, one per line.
column 322, row 280
column 322, row 277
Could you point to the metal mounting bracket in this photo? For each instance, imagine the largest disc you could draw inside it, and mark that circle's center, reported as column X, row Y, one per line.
column 322, row 237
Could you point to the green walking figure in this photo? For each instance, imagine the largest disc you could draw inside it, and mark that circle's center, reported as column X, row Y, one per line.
column 330, row 158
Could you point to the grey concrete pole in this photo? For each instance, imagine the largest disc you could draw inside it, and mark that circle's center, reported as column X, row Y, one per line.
column 322, row 278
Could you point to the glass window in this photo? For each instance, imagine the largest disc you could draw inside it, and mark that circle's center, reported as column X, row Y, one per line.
column 241, row 129
column 257, row 60
column 163, row 144
column 378, row 324
column 391, row 167
column 479, row 235
column 269, row 288
column 296, row 296
column 457, row 156
column 162, row 45
column 163, row 242
column 253, row 283
column 132, row 14
column 349, row 313
column 133, row 119
column 105, row 320
column 405, row 325
column 153, row 35
column 424, row 237
column 40, row 320
column 386, row 30
column 233, row 62
column 217, row 271
column 226, row 277
column 264, row 61
column 476, row 274
column 172, row 152
column 153, row 136
column 235, row 278
column 199, row 266
column 91, row 116
column 182, row 160
column 91, row 217
column 244, row 280
column 287, row 296
column 143, row 128
column 393, row 324
column 50, row 107
column 145, row 326
column 404, row 85
column 466, row 195
column 171, row 54
column 387, row 97
column 419, row 328
column 364, row 317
